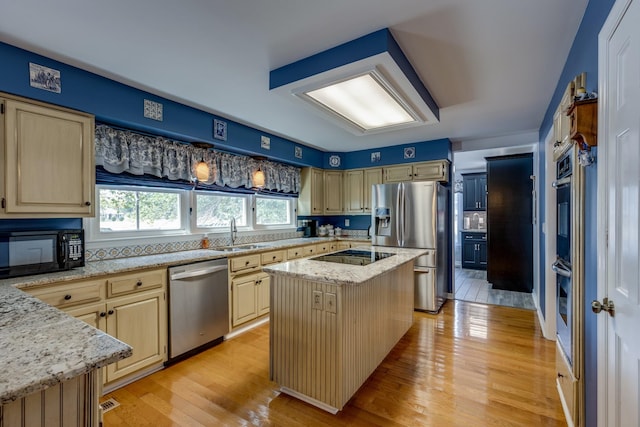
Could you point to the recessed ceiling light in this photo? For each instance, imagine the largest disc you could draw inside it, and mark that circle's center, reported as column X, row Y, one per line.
column 366, row 85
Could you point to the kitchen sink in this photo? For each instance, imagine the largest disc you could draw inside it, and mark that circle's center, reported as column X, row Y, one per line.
column 240, row 247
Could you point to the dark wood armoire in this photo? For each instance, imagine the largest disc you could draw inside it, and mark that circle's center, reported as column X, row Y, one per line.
column 509, row 222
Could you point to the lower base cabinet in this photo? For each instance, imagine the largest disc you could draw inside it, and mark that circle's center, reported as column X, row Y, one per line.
column 474, row 251
column 250, row 296
column 135, row 313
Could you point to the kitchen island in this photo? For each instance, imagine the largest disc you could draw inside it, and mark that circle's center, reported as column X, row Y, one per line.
column 333, row 323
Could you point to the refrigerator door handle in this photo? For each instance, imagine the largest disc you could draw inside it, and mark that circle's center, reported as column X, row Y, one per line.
column 399, row 217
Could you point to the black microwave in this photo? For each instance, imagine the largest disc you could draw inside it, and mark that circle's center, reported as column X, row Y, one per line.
column 35, row 252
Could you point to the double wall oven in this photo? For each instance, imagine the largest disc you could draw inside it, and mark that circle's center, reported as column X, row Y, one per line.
column 563, row 264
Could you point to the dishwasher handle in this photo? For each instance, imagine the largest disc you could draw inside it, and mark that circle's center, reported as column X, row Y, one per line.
column 197, row 273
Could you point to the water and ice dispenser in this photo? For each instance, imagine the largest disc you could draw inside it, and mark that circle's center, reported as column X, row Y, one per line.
column 383, row 222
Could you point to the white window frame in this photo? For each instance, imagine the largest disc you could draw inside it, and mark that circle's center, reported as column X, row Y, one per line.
column 194, row 212
column 92, row 225
column 293, row 203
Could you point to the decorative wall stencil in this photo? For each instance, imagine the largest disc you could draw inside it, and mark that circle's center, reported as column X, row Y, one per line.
column 375, row 157
column 219, row 129
column 298, row 152
column 334, row 161
column 152, row 110
column 410, row 152
column 45, row 78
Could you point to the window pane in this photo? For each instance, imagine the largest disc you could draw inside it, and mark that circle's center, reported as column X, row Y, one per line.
column 159, row 211
column 217, row 210
column 129, row 210
column 272, row 211
column 117, row 210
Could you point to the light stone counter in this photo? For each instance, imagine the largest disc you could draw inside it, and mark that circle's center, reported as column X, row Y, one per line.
column 43, row 346
column 345, row 274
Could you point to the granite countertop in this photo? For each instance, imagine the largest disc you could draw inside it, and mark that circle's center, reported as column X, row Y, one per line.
column 475, row 230
column 345, row 274
column 43, row 346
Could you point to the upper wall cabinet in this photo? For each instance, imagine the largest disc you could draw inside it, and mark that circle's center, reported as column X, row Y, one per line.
column 311, row 199
column 333, row 192
column 357, row 189
column 474, row 194
column 437, row 170
column 48, row 158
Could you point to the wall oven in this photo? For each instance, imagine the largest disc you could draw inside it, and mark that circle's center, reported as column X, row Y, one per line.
column 563, row 265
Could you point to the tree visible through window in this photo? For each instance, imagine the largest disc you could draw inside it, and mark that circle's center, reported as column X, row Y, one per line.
column 217, row 210
column 131, row 210
column 271, row 211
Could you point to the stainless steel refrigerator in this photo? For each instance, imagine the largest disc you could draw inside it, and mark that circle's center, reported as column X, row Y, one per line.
column 415, row 215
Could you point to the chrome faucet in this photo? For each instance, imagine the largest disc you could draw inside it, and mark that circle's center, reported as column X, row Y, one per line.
column 233, row 230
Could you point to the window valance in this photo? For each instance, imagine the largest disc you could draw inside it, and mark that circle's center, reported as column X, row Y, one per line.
column 119, row 151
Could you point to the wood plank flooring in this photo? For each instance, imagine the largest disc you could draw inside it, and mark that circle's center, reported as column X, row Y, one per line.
column 472, row 285
column 470, row 365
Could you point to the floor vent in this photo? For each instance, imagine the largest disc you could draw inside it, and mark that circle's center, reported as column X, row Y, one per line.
column 109, row 404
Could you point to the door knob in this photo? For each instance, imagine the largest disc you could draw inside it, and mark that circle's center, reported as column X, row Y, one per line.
column 606, row 305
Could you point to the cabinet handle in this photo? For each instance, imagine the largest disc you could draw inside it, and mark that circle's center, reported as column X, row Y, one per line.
column 139, row 283
column 67, row 297
column 103, row 314
column 87, row 203
column 111, row 312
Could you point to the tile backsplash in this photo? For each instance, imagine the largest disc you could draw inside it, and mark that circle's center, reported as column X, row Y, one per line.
column 474, row 220
column 126, row 251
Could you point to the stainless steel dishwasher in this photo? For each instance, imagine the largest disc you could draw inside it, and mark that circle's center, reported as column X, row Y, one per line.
column 198, row 306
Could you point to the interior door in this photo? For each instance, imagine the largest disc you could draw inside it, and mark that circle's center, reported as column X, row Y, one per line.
column 619, row 191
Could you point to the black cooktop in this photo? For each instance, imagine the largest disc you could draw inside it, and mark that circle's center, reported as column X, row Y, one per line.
column 353, row 257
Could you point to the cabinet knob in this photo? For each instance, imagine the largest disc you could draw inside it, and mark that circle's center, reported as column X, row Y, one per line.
column 111, row 312
column 67, row 297
column 246, row 263
column 103, row 314
column 274, row 257
column 139, row 283
column 87, row 203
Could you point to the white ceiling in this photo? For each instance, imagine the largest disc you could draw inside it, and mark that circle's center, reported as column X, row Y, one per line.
column 491, row 65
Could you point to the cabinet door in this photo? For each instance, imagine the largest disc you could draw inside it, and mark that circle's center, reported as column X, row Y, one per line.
column 481, row 191
column 430, row 171
column 263, row 294
column 482, row 254
column 311, row 198
column 49, row 166
column 139, row 320
column 371, row 177
column 333, row 193
column 243, row 294
column 353, row 191
column 93, row 314
column 469, row 190
column 469, row 254
column 398, row 173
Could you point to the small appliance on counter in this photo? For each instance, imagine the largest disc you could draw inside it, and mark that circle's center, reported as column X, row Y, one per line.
column 309, row 227
column 23, row 253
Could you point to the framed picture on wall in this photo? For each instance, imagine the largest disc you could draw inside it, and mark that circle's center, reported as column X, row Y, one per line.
column 410, row 152
column 219, row 129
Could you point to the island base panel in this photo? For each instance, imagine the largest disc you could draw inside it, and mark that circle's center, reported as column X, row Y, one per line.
column 327, row 339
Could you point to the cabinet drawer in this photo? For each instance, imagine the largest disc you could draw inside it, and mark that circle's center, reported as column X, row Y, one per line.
column 246, row 262
column 322, row 248
column 474, row 237
column 567, row 382
column 137, row 282
column 272, row 257
column 294, row 253
column 71, row 294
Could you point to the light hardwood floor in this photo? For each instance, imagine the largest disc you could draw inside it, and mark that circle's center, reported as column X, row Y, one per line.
column 470, row 365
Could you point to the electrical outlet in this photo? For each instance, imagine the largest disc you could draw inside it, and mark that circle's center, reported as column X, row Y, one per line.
column 330, row 302
column 346, row 222
column 317, row 300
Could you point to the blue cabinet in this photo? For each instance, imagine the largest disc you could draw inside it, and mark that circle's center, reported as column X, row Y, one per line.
column 474, row 251
column 474, row 191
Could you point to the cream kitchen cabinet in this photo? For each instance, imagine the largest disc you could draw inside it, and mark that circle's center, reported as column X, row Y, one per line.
column 333, row 192
column 131, row 307
column 311, row 197
column 357, row 189
column 250, row 296
column 437, row 170
column 48, row 160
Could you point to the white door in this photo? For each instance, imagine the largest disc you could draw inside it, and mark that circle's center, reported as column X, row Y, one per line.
column 618, row 216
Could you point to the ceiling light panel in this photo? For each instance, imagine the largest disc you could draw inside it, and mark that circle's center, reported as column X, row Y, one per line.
column 365, row 86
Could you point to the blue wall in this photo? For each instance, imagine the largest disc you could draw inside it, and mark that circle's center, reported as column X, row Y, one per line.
column 583, row 57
